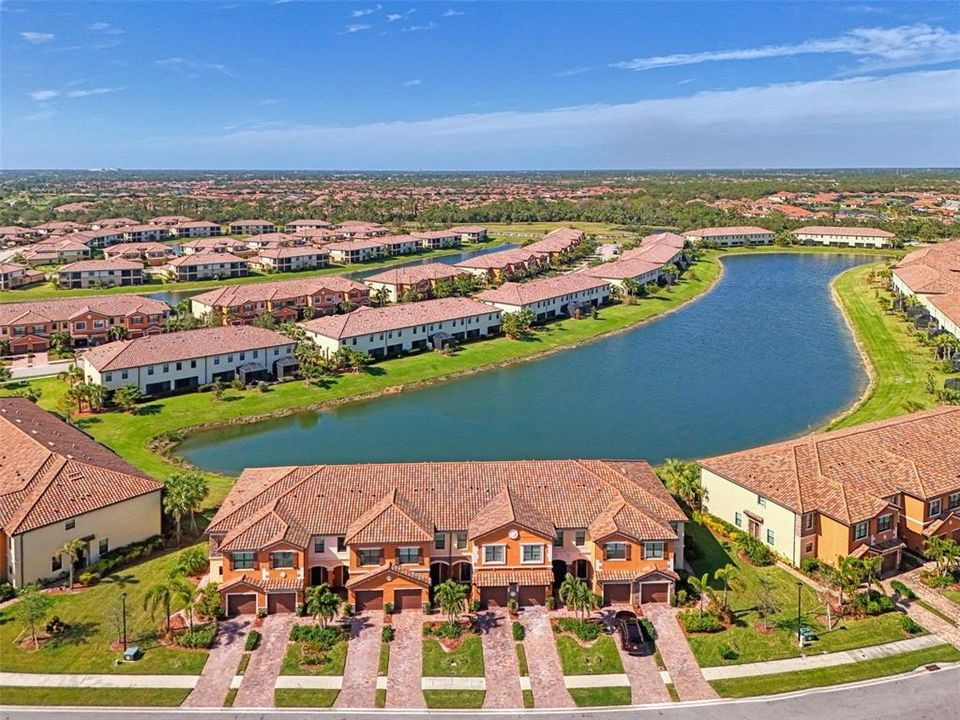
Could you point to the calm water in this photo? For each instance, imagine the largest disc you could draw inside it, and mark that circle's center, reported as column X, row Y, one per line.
column 172, row 297
column 764, row 356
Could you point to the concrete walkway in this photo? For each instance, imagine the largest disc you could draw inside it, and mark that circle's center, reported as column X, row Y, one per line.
column 929, row 595
column 501, row 667
column 676, row 654
column 543, row 661
column 260, row 678
column 453, row 683
column 221, row 666
column 97, row 681
column 359, row 689
column 597, row 681
column 812, row 662
column 406, row 662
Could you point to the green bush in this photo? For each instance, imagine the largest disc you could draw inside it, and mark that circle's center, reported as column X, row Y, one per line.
column 6, row 591
column 388, row 608
column 551, row 603
column 586, row 631
column 693, row 622
column 648, row 626
column 512, row 605
column 427, row 608
column 253, row 641
column 810, row 566
column 872, row 603
column 386, row 634
column 202, row 637
column 757, row 553
column 902, row 590
column 475, row 606
column 910, row 625
column 450, row 629
column 118, row 557
column 518, row 631
column 728, row 653
column 326, row 637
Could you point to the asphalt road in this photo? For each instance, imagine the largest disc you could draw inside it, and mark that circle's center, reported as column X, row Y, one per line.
column 919, row 696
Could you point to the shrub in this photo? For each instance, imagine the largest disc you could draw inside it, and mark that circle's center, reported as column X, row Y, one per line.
column 449, row 630
column 202, row 637
column 584, row 630
column 693, row 622
column 518, row 631
column 87, row 578
column 902, row 590
column 728, row 653
column 386, row 634
column 648, row 626
column 388, row 608
column 551, row 603
column 910, row 625
column 512, row 606
column 326, row 637
column 427, row 608
column 679, row 598
column 56, row 626
column 347, row 610
column 263, row 387
column 810, row 566
column 6, row 591
column 757, row 553
column 475, row 606
column 252, row 642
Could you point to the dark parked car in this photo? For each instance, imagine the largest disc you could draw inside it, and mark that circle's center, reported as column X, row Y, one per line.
column 633, row 638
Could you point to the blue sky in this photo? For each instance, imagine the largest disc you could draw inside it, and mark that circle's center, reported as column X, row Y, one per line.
column 476, row 85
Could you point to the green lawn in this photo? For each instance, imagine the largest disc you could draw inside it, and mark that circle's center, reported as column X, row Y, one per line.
column 451, row 699
column 534, row 230
column 789, row 682
column 601, row 658
column 113, row 697
column 85, row 648
column 465, row 661
column 900, row 362
column 528, row 699
column 594, row 697
column 305, row 698
column 333, row 664
column 753, row 646
column 522, row 660
column 952, row 595
column 383, row 664
column 131, row 435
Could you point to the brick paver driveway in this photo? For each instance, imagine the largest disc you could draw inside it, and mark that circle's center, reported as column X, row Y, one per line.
column 676, row 654
column 214, row 683
column 501, row 667
column 256, row 689
column 543, row 661
column 359, row 689
column 646, row 685
column 406, row 662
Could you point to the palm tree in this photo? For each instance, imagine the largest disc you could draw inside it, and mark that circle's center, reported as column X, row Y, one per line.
column 849, row 576
column 576, row 595
column 381, row 296
column 72, row 549
column 72, row 375
column 187, row 593
column 702, row 586
column 118, row 332
column 322, row 602
column 96, row 396
column 161, row 595
column 683, row 481
column 725, row 575
column 451, row 597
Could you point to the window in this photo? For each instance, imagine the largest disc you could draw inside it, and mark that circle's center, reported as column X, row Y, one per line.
column 408, row 555
column 580, row 538
column 242, row 560
column 56, row 562
column 493, row 554
column 461, row 541
column 281, row 559
column 558, row 539
column 615, row 551
column 193, row 364
column 953, row 501
column 761, row 501
column 368, row 556
column 70, row 524
column 808, row 521
column 108, row 377
column 124, row 374
column 771, row 537
column 318, row 544
column 808, row 548
column 150, row 370
column 934, row 507
column 860, row 530
column 341, row 544
column 103, row 547
column 653, row 550
column 884, row 523
column 439, row 541
column 738, row 519
column 531, row 553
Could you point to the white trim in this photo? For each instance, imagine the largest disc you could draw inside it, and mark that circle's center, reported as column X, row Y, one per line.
column 495, row 562
column 531, row 562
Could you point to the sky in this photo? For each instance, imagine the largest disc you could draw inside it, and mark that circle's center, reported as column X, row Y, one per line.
column 295, row 84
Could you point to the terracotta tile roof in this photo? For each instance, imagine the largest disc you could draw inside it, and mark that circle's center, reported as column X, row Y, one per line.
column 206, row 258
column 186, row 345
column 62, row 309
column 94, row 265
column 733, row 230
column 365, row 321
column 391, row 520
column 263, row 529
column 831, row 230
column 543, row 289
column 237, row 295
column 419, row 578
column 624, row 268
column 619, row 517
column 623, row 575
column 250, row 222
column 347, row 245
column 503, row 258
column 468, row 229
column 214, row 243
column 434, row 234
column 197, row 224
column 51, row 471
column 502, row 578
column 286, row 252
column 667, row 239
column 309, row 222
column 846, row 474
column 508, row 509
column 415, row 274
column 141, row 247
column 934, row 272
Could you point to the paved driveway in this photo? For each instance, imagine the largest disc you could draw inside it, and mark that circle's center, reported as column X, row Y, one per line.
column 543, row 661
column 676, row 654
column 214, row 683
column 405, row 674
column 501, row 667
column 359, row 689
column 256, row 689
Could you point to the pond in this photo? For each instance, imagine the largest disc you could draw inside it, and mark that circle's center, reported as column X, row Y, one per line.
column 764, row 356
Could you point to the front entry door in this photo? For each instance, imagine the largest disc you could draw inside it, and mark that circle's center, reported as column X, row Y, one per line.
column 754, row 528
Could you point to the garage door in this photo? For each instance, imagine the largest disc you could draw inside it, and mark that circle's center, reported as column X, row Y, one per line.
column 242, row 604
column 616, row 593
column 369, row 600
column 531, row 595
column 494, row 597
column 281, row 603
column 407, row 599
column 654, row 592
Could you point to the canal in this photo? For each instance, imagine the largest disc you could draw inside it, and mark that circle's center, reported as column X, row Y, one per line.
column 766, row 355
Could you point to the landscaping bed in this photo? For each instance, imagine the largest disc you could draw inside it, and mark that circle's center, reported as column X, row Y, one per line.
column 316, row 650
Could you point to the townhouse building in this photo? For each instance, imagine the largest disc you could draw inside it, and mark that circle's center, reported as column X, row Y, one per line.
column 60, row 485
column 100, row 239
column 731, row 236
column 272, row 240
column 216, row 245
column 110, row 223
column 396, row 283
column 170, row 220
column 355, row 251
column 504, row 264
column 15, row 275
column 99, row 273
column 251, row 227
column 354, row 228
column 57, row 227
column 635, row 269
column 470, row 233
column 182, row 361
column 307, row 224
column 387, row 331
column 196, row 229
column 437, row 239
column 56, row 251
column 287, row 300
column 28, row 326
column 145, row 233
column 391, row 533
column 870, row 490
column 400, row 244
column 932, row 275
column 840, row 236
column 149, row 253
column 557, row 243
column 291, row 259
column 550, row 298
column 206, row 266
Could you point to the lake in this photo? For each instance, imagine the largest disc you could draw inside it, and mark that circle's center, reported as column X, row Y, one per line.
column 764, row 356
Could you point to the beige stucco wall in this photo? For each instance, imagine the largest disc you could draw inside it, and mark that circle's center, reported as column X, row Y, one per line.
column 726, row 498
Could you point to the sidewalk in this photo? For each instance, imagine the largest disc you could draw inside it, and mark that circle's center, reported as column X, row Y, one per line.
column 97, row 681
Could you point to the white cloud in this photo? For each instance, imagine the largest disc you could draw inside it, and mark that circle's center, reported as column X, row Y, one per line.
column 44, row 95
column 874, row 48
column 393, row 17
column 363, row 12
column 826, row 123
column 37, row 38
column 92, row 92
column 192, row 68
column 105, row 28
column 452, row 13
column 413, row 83
column 354, row 28
column 268, row 101
column 420, row 28
column 41, row 115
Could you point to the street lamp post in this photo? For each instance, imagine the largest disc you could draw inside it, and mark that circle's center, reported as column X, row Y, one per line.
column 123, row 613
column 799, row 596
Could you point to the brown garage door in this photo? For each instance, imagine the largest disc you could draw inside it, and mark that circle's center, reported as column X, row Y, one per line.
column 281, row 603
column 616, row 593
column 369, row 600
column 531, row 595
column 493, row 596
column 407, row 599
column 654, row 592
column 242, row 604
